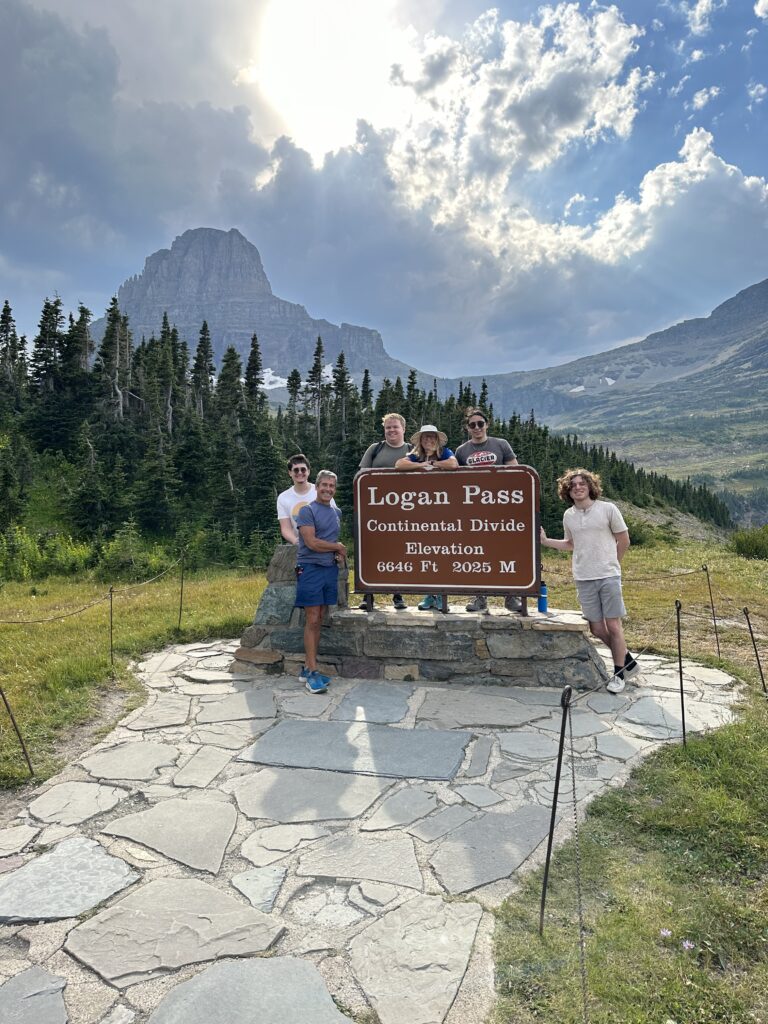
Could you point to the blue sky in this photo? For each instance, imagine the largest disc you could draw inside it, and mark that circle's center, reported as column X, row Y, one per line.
column 491, row 188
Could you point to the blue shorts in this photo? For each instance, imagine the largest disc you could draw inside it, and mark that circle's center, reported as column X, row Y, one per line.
column 316, row 585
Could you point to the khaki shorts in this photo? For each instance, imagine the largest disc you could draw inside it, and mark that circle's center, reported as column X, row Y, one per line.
column 601, row 599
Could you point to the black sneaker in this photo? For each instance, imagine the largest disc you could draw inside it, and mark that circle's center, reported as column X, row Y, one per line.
column 631, row 668
column 398, row 603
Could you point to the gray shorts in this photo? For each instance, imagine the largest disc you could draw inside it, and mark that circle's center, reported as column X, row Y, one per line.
column 601, row 599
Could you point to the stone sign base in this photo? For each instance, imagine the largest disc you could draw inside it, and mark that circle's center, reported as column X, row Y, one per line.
column 500, row 647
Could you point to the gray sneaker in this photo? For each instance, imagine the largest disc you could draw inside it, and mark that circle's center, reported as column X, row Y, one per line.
column 478, row 604
column 513, row 603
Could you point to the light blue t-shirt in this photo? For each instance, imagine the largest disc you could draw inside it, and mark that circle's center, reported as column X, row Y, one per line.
column 327, row 523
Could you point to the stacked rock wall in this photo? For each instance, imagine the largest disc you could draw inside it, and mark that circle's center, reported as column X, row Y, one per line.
column 500, row 648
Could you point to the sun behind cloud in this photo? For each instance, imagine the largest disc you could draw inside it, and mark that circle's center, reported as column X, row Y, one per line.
column 324, row 64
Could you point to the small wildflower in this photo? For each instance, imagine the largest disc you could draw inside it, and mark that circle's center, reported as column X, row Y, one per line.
column 687, row 944
column 665, row 933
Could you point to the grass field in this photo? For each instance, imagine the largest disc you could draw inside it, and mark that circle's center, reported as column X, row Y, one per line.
column 674, row 866
column 57, row 675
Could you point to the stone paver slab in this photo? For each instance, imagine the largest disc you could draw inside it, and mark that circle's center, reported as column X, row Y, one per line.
column 374, row 702
column 389, row 860
column 167, row 710
column 237, row 706
column 292, row 795
column 15, row 838
column 441, row 823
column 528, row 745
column 490, row 847
column 411, row 962
column 481, row 753
column 266, row 845
column 305, row 705
column 33, row 997
column 362, row 749
column 64, row 882
column 166, row 924
column 401, row 808
column 207, row 675
column 653, row 712
column 164, row 662
column 480, row 796
column 195, row 832
column 476, row 708
column 202, row 768
column 583, row 723
column 71, row 803
column 232, row 735
column 619, row 747
column 282, row 990
column 260, row 886
column 138, row 761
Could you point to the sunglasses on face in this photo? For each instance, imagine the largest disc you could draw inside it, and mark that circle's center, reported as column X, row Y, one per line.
column 476, row 424
column 299, row 469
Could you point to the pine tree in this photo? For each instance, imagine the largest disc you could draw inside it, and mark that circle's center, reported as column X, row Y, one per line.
column 203, row 371
column 254, row 378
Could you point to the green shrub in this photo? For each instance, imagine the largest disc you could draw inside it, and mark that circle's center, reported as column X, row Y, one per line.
column 23, row 556
column 128, row 556
column 751, row 543
column 641, row 533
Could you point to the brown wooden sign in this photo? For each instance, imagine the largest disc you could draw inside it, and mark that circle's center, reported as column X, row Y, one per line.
column 454, row 531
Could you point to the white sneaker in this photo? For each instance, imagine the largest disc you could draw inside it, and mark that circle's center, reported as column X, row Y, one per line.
column 616, row 683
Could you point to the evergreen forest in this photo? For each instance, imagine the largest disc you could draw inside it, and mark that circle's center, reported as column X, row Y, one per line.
column 150, row 443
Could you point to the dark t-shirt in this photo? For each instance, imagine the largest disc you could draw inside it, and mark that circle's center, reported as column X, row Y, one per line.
column 327, row 523
column 494, row 451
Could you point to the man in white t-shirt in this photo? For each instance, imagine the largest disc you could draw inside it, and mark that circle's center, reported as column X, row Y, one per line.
column 597, row 535
column 291, row 501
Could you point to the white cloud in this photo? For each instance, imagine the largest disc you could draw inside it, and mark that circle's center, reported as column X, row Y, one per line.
column 703, row 96
column 696, row 56
column 761, row 8
column 510, row 98
column 675, row 90
column 699, row 15
column 757, row 93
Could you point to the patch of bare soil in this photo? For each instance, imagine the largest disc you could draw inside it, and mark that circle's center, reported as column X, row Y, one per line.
column 114, row 702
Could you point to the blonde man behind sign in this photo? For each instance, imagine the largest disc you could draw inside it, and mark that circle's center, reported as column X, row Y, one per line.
column 597, row 535
column 383, row 455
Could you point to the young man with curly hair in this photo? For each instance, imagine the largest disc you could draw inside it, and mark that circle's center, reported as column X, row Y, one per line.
column 597, row 535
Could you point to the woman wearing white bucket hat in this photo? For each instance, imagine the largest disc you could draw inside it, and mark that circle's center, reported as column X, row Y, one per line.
column 430, row 451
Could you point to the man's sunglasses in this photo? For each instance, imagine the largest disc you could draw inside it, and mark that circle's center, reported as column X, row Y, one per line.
column 299, row 469
column 476, row 424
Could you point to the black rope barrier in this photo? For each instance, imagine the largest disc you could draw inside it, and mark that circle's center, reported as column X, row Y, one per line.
column 54, row 618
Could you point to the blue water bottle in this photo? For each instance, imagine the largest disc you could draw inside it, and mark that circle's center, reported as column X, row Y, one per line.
column 543, row 598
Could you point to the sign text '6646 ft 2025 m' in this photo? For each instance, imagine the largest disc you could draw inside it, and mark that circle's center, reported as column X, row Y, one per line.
column 458, row 531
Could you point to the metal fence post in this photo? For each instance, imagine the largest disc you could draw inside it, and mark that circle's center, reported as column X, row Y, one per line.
column 712, row 606
column 757, row 654
column 565, row 704
column 678, row 608
column 181, row 589
column 111, row 631
column 17, row 731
